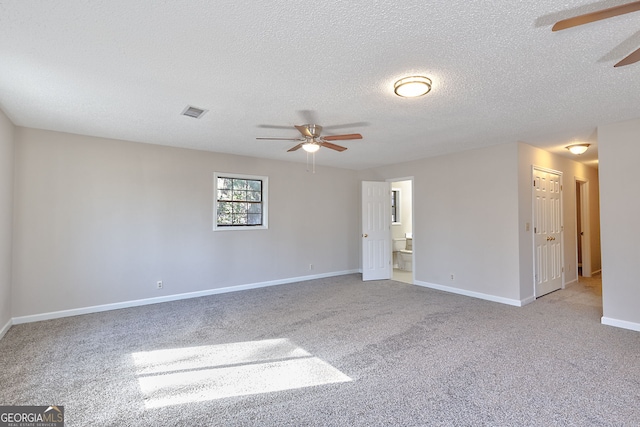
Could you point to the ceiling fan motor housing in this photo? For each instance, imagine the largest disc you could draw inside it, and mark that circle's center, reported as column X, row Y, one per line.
column 314, row 130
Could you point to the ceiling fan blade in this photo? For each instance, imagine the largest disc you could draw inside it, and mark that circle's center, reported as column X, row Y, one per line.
column 304, row 131
column 342, row 137
column 596, row 16
column 333, row 146
column 282, row 139
column 630, row 59
column 274, row 127
column 310, row 130
column 294, row 148
column 348, row 125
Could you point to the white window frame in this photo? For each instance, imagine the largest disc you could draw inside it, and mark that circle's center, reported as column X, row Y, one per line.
column 265, row 202
column 397, row 200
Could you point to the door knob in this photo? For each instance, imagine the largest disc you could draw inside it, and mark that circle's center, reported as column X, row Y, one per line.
column 365, row 235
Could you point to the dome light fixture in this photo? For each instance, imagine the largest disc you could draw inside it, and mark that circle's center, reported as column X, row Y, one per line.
column 578, row 148
column 310, row 147
column 411, row 87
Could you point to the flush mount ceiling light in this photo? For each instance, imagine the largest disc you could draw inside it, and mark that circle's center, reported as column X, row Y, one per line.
column 411, row 87
column 578, row 148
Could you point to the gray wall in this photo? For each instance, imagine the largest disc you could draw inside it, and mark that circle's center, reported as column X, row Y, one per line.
column 6, row 208
column 529, row 156
column 471, row 210
column 619, row 151
column 465, row 219
column 99, row 221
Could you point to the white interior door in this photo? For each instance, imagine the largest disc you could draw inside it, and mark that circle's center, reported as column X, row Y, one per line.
column 376, row 230
column 547, row 229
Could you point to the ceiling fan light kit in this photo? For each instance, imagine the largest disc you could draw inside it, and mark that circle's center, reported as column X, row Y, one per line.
column 310, row 147
column 578, row 148
column 412, row 87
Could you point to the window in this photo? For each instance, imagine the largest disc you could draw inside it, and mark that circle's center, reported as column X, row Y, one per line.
column 240, row 201
column 395, row 206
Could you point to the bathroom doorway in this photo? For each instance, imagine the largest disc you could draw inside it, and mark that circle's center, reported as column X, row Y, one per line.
column 402, row 242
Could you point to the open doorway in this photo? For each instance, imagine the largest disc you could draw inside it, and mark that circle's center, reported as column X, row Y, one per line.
column 588, row 290
column 402, row 236
column 583, row 227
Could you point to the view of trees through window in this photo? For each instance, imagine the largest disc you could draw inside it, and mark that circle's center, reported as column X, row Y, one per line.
column 395, row 196
column 239, row 202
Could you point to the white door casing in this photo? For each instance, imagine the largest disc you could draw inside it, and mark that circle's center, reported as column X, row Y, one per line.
column 547, row 231
column 376, row 230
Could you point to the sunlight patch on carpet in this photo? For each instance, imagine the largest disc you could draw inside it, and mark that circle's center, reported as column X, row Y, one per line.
column 195, row 374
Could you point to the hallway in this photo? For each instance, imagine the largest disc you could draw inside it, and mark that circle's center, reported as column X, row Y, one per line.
column 584, row 296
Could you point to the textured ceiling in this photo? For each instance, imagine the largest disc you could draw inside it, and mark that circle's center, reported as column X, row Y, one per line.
column 127, row 69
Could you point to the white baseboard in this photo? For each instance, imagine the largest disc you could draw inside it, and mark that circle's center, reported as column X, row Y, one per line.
column 620, row 323
column 5, row 328
column 176, row 297
column 473, row 294
column 571, row 283
column 527, row 300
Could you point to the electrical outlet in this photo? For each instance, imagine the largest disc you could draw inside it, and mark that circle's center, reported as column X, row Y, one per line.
column 159, row 284
column 310, row 266
column 451, row 276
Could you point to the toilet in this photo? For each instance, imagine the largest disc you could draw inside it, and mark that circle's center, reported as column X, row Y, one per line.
column 399, row 244
column 403, row 252
column 405, row 256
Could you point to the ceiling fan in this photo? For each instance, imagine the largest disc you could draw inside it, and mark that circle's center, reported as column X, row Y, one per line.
column 603, row 14
column 311, row 140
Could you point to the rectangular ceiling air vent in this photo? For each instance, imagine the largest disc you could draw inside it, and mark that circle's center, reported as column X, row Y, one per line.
column 194, row 112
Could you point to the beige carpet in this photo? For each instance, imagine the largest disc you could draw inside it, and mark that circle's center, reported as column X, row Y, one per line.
column 331, row 352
